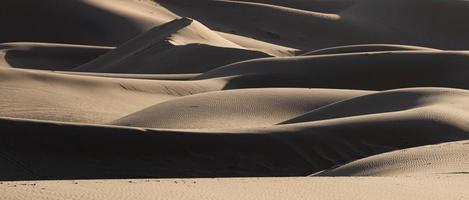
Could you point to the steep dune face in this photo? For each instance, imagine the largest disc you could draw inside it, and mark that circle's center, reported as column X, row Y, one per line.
column 222, row 88
column 275, row 24
column 160, row 49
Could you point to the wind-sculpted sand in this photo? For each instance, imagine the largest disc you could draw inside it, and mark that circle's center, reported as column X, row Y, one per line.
column 224, row 99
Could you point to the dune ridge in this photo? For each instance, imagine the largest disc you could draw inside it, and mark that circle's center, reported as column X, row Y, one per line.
column 158, row 51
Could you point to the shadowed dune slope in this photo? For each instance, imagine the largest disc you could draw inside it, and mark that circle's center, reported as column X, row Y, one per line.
column 90, row 22
column 415, row 22
column 274, row 24
column 48, row 56
column 160, row 51
column 364, row 70
column 351, row 22
column 235, row 108
column 86, row 151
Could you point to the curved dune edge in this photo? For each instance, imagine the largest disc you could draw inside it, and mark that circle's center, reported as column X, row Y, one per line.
column 400, row 102
column 441, row 187
column 366, row 48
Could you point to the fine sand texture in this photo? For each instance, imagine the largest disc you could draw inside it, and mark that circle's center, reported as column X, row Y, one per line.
column 234, row 99
column 387, row 188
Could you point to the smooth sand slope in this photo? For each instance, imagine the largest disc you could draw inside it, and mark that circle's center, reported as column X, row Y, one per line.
column 320, row 93
column 235, row 108
column 75, row 98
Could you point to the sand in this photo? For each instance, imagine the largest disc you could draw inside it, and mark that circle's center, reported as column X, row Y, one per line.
column 445, row 187
column 425, row 161
column 234, row 99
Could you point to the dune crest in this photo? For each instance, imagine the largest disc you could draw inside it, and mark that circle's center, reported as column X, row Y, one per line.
column 158, row 51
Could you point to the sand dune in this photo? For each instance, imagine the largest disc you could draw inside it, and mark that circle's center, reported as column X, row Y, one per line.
column 346, row 71
column 275, row 24
column 281, row 150
column 91, row 152
column 235, row 108
column 433, row 160
column 61, row 97
column 403, row 101
column 160, row 49
column 253, row 44
column 307, row 90
column 351, row 22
